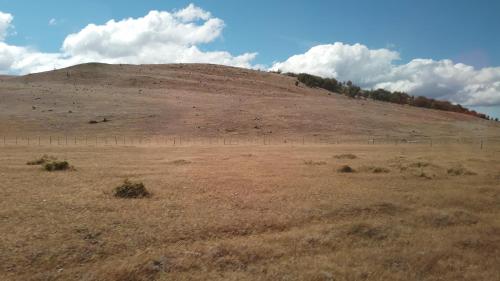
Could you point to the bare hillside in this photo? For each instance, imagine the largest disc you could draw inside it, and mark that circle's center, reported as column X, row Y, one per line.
column 205, row 100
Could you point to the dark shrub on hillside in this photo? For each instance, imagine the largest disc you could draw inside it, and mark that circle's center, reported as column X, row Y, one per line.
column 351, row 90
column 330, row 84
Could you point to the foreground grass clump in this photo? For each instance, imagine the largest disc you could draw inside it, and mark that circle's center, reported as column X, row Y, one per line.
column 42, row 160
column 345, row 156
column 314, row 163
column 459, row 171
column 131, row 190
column 345, row 169
column 56, row 166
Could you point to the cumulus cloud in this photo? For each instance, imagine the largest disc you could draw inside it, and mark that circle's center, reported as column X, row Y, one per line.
column 369, row 68
column 158, row 37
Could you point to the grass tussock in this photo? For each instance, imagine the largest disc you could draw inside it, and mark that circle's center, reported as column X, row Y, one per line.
column 56, row 166
column 440, row 219
column 367, row 231
column 50, row 163
column 180, row 162
column 376, row 170
column 130, row 189
column 346, row 169
column 345, row 156
column 42, row 160
column 460, row 171
column 380, row 170
column 314, row 163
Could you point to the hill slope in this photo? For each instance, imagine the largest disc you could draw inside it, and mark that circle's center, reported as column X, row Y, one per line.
column 206, row 100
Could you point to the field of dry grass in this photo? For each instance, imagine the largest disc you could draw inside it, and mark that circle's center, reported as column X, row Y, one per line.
column 253, row 212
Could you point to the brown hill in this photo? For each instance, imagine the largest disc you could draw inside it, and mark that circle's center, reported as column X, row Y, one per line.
column 206, row 100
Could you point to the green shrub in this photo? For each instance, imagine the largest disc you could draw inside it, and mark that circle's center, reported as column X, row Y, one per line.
column 131, row 190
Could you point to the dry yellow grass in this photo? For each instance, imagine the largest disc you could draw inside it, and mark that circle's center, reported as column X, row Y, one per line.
column 249, row 211
column 252, row 213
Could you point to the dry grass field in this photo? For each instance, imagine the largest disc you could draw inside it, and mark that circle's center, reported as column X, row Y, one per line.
column 407, row 212
column 247, row 210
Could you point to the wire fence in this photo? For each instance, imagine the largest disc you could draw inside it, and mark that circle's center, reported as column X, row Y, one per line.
column 158, row 140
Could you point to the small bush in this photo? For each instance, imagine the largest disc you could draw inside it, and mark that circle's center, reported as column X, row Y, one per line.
column 367, row 231
column 56, row 166
column 380, row 170
column 93, row 122
column 345, row 169
column 180, row 162
column 315, row 163
column 459, row 171
column 42, row 160
column 345, row 156
column 131, row 190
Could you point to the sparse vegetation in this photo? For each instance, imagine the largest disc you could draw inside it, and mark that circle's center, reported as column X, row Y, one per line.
column 459, row 171
column 180, row 162
column 367, row 231
column 345, row 169
column 42, row 160
column 237, row 217
column 130, row 189
column 55, row 165
column 377, row 170
column 345, row 156
column 314, row 163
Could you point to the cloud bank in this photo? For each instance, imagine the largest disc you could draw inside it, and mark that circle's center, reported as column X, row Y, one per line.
column 369, row 68
column 158, row 37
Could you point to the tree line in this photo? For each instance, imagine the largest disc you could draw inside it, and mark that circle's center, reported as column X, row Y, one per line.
column 351, row 90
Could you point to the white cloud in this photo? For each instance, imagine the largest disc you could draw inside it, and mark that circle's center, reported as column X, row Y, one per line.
column 158, row 37
column 52, row 21
column 5, row 22
column 369, row 68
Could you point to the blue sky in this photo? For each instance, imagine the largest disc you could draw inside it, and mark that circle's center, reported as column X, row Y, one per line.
column 461, row 31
